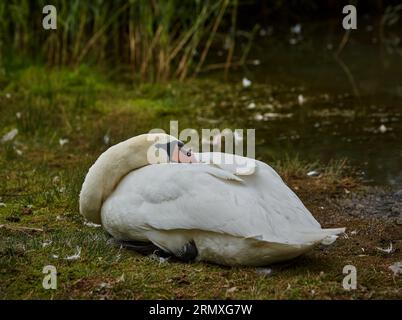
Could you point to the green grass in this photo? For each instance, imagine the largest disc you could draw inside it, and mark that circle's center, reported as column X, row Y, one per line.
column 155, row 40
column 40, row 183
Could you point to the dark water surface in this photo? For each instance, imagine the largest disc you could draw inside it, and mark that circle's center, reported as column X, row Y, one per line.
column 303, row 101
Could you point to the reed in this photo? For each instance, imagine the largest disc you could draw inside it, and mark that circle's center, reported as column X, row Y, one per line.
column 154, row 40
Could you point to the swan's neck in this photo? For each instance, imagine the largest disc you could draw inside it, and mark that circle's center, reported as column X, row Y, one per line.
column 108, row 170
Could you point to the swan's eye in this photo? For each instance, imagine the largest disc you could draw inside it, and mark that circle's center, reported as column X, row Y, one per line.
column 188, row 153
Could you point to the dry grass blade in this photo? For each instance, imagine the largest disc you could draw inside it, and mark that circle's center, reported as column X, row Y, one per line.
column 20, row 228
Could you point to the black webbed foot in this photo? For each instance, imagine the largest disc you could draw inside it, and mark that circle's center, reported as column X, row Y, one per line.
column 145, row 248
column 188, row 252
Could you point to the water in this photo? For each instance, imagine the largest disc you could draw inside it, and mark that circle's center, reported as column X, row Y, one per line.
column 305, row 102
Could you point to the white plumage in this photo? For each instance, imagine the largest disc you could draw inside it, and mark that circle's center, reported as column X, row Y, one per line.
column 249, row 218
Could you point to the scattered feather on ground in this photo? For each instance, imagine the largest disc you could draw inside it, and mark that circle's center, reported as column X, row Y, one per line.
column 75, row 256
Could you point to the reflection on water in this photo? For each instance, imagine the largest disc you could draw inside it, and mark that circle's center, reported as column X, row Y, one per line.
column 301, row 101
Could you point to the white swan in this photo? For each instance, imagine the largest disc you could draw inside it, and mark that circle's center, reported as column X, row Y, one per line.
column 202, row 211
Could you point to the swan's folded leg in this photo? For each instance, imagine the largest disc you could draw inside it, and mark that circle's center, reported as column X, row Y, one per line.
column 179, row 245
column 188, row 252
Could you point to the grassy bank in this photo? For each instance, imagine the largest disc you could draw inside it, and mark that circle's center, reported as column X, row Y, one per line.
column 150, row 40
column 65, row 119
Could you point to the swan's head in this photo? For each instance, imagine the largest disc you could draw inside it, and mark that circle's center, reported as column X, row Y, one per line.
column 170, row 150
column 151, row 148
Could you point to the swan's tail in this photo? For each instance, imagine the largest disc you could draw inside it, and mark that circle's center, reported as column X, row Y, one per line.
column 323, row 236
column 332, row 235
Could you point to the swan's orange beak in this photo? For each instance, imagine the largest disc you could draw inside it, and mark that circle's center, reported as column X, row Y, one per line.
column 181, row 155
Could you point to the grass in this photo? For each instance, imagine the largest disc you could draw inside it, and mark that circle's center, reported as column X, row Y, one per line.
column 152, row 40
column 293, row 167
column 40, row 181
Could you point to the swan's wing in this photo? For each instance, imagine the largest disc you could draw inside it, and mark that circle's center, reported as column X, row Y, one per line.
column 201, row 197
column 235, row 164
